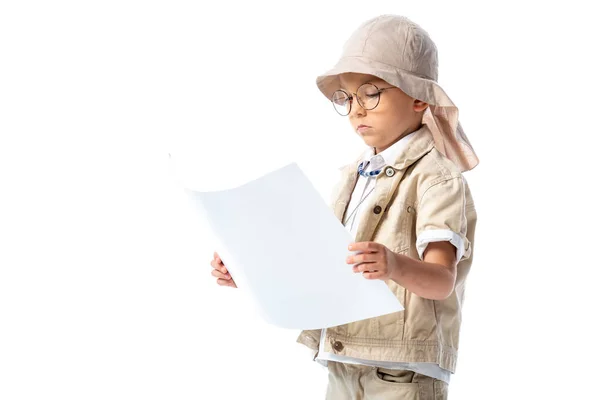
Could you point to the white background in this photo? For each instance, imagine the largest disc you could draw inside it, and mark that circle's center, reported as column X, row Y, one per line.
column 105, row 286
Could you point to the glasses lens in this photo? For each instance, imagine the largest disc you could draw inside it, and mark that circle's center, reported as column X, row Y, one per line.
column 368, row 96
column 341, row 102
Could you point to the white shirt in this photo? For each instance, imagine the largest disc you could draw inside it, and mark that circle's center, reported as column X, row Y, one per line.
column 362, row 191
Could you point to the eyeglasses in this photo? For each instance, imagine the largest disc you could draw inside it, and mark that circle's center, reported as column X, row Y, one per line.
column 367, row 95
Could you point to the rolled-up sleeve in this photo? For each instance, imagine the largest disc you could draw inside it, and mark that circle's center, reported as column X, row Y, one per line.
column 441, row 216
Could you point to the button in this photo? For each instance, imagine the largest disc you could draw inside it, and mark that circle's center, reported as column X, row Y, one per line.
column 410, row 209
column 377, row 210
column 338, row 346
column 389, row 171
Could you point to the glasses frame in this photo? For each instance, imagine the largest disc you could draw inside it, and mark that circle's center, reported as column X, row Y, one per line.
column 350, row 97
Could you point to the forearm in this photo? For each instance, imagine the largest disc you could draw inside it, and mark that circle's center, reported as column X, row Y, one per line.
column 425, row 279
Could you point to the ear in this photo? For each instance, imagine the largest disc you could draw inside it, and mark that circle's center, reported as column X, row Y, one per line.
column 419, row 105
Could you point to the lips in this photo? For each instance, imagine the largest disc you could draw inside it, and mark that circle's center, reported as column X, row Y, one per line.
column 362, row 128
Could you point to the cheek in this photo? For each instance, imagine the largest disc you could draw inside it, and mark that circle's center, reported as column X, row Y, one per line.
column 399, row 103
column 397, row 113
column 389, row 120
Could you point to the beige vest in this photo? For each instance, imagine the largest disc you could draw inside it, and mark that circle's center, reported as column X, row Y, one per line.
column 426, row 191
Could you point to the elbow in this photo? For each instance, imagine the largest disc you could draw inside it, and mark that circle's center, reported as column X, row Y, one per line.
column 442, row 294
column 445, row 287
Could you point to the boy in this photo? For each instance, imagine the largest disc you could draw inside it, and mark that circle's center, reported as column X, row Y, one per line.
column 410, row 210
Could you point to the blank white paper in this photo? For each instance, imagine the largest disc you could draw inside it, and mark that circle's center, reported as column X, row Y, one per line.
column 285, row 247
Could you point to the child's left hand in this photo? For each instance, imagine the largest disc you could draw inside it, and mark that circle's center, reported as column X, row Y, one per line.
column 375, row 262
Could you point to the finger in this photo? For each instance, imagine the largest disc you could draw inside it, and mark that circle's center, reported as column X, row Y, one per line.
column 219, row 267
column 373, row 275
column 217, row 258
column 365, row 267
column 367, row 247
column 225, row 282
column 220, row 275
column 362, row 258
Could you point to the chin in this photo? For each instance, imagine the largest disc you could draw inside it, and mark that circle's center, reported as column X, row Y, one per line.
column 369, row 141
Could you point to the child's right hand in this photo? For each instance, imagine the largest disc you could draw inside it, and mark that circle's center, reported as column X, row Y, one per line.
column 220, row 272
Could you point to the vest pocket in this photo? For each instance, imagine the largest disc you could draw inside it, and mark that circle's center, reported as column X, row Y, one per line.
column 402, row 236
column 409, row 214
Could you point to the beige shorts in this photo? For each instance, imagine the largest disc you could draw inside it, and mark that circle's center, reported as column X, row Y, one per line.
column 361, row 382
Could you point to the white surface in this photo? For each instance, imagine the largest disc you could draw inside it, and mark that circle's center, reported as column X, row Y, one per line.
column 105, row 285
column 284, row 246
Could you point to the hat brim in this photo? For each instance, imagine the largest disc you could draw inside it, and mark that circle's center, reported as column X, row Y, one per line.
column 420, row 88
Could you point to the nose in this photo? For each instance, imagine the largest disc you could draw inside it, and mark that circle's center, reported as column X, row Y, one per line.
column 356, row 110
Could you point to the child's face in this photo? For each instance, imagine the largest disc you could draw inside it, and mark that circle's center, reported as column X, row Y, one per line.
column 396, row 115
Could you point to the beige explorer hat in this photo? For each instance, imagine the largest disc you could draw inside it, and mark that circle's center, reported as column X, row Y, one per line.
column 400, row 52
